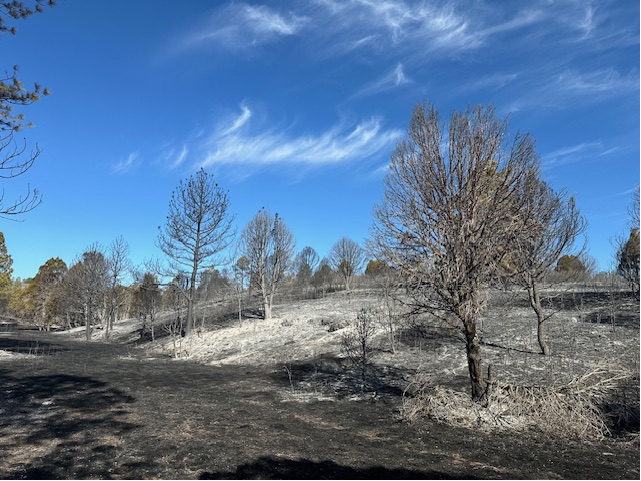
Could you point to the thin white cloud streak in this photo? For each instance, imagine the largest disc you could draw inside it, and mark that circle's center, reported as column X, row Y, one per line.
column 173, row 157
column 570, row 88
column 520, row 20
column 619, row 194
column 572, row 154
column 587, row 24
column 239, row 26
column 607, row 81
column 238, row 144
column 494, row 82
column 180, row 158
column 238, row 123
column 127, row 164
column 393, row 79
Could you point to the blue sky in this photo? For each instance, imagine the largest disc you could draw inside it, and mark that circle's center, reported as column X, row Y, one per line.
column 296, row 106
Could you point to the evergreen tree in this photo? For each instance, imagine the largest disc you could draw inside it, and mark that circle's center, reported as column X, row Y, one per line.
column 6, row 270
column 14, row 158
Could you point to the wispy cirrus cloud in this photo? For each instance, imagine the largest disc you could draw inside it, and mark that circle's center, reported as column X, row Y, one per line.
column 339, row 27
column 174, row 157
column 406, row 26
column 127, row 164
column 494, row 81
column 403, row 29
column 238, row 26
column 391, row 80
column 571, row 87
column 238, row 143
column 574, row 153
column 606, row 81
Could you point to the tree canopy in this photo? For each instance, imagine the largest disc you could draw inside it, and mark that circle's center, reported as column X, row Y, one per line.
column 15, row 158
column 197, row 230
column 452, row 196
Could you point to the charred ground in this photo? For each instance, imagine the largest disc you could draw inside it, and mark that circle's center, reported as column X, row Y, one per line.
column 276, row 399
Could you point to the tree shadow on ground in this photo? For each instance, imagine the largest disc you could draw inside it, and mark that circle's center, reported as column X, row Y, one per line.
column 614, row 319
column 334, row 376
column 29, row 346
column 61, row 426
column 267, row 467
column 577, row 300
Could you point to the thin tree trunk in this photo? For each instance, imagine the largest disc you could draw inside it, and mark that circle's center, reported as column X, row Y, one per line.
column 190, row 316
column 535, row 302
column 89, row 316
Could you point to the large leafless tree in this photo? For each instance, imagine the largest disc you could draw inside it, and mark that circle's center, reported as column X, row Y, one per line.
column 305, row 264
column 269, row 245
column 552, row 224
column 450, row 208
column 198, row 229
column 146, row 301
column 627, row 254
column 86, row 284
column 347, row 258
column 117, row 264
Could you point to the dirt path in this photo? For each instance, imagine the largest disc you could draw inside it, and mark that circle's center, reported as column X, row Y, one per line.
column 69, row 409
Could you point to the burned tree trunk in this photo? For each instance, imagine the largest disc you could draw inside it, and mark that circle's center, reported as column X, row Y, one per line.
column 473, row 350
column 535, row 303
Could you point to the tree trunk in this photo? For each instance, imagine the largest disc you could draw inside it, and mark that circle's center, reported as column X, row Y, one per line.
column 110, row 322
column 88, row 323
column 267, row 306
column 535, row 302
column 190, row 316
column 473, row 350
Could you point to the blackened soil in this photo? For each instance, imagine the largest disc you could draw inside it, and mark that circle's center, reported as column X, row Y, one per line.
column 71, row 409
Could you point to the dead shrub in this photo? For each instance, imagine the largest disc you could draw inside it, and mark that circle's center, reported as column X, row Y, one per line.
column 589, row 406
column 358, row 342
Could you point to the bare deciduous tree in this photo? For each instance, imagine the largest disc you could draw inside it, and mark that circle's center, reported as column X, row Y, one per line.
column 198, row 229
column 634, row 208
column 358, row 343
column 387, row 281
column 146, row 301
column 347, row 258
column 323, row 277
column 268, row 244
column 240, row 276
column 117, row 264
column 628, row 260
column 552, row 224
column 86, row 284
column 450, row 208
column 305, row 264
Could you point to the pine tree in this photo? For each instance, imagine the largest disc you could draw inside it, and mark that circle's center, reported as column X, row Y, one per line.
column 6, row 270
column 14, row 158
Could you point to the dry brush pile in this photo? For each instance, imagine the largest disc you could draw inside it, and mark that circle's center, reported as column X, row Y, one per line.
column 601, row 402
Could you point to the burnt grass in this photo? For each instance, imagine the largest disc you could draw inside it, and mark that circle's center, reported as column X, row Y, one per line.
column 70, row 409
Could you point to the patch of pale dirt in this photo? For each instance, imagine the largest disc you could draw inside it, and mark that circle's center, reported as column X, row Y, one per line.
column 297, row 331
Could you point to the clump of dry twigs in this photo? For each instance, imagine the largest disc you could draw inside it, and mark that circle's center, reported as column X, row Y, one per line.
column 591, row 405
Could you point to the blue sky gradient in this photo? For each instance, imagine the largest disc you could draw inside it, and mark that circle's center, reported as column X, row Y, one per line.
column 297, row 106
